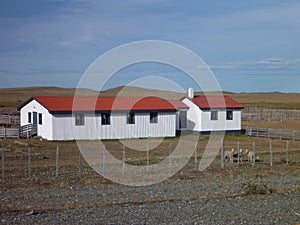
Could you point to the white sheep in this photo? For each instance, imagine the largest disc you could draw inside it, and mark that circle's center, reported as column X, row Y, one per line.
column 229, row 155
column 251, row 156
column 238, row 154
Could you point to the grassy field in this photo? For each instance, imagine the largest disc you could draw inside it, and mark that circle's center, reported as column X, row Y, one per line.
column 43, row 159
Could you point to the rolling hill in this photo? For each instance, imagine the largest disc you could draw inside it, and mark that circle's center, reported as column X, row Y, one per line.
column 13, row 97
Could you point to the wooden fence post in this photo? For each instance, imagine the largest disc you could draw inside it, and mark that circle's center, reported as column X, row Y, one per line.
column 57, row 160
column 254, row 154
column 3, row 161
column 196, row 153
column 287, row 153
column 29, row 163
column 104, row 158
column 124, row 159
column 170, row 156
column 293, row 135
column 80, row 164
column 148, row 162
column 271, row 157
column 222, row 153
column 238, row 152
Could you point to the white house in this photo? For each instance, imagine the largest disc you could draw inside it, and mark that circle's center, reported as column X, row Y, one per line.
column 212, row 113
column 92, row 118
column 89, row 118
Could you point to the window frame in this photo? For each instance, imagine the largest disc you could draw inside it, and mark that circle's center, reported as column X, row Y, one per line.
column 40, row 119
column 29, row 117
column 130, row 118
column 105, row 119
column 153, row 117
column 214, row 115
column 229, row 115
column 79, row 119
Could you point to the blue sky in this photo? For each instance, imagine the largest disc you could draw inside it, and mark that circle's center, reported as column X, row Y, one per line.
column 249, row 45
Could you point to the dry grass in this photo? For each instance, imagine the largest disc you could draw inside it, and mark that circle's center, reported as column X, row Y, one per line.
column 44, row 154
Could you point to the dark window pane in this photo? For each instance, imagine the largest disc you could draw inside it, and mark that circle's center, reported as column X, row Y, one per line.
column 105, row 119
column 40, row 118
column 154, row 117
column 214, row 115
column 79, row 119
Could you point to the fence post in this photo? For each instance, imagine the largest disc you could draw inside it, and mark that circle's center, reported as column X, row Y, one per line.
column 29, row 163
column 124, row 159
column 196, row 155
column 170, row 156
column 287, row 153
column 103, row 159
column 254, row 154
column 80, row 164
column 3, row 166
column 148, row 162
column 238, row 152
column 4, row 133
column 222, row 153
column 271, row 157
column 57, row 160
column 293, row 135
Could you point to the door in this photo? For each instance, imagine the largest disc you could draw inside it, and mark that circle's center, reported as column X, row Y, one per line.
column 34, row 118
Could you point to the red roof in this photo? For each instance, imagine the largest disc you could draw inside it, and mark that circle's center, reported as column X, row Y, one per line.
column 214, row 102
column 64, row 104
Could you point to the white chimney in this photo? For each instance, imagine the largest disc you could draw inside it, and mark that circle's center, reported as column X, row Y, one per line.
column 191, row 93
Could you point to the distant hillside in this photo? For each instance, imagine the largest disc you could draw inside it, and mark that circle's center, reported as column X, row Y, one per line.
column 13, row 97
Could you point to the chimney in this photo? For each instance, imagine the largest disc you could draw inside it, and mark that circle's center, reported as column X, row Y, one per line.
column 191, row 93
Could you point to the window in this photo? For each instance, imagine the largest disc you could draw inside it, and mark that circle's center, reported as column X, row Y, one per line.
column 105, row 119
column 229, row 115
column 130, row 118
column 182, row 119
column 29, row 117
column 214, row 115
column 79, row 119
column 153, row 117
column 40, row 118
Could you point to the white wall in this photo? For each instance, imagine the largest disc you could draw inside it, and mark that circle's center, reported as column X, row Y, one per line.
column 200, row 120
column 64, row 127
column 194, row 116
column 44, row 130
column 222, row 123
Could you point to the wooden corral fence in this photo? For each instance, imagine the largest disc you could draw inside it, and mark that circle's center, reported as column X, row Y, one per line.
column 251, row 113
column 9, row 119
column 26, row 131
column 273, row 133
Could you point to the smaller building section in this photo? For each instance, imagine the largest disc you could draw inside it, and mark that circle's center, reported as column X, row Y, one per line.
column 212, row 113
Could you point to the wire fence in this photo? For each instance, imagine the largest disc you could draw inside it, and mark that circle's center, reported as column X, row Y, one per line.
column 28, row 164
column 273, row 133
column 252, row 113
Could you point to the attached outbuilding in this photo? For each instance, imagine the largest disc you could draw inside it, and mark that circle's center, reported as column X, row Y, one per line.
column 213, row 113
column 90, row 118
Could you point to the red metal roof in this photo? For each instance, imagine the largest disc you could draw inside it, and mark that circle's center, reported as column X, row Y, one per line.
column 214, row 102
column 63, row 104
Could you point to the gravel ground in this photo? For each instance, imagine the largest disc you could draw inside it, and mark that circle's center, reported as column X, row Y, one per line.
column 237, row 200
